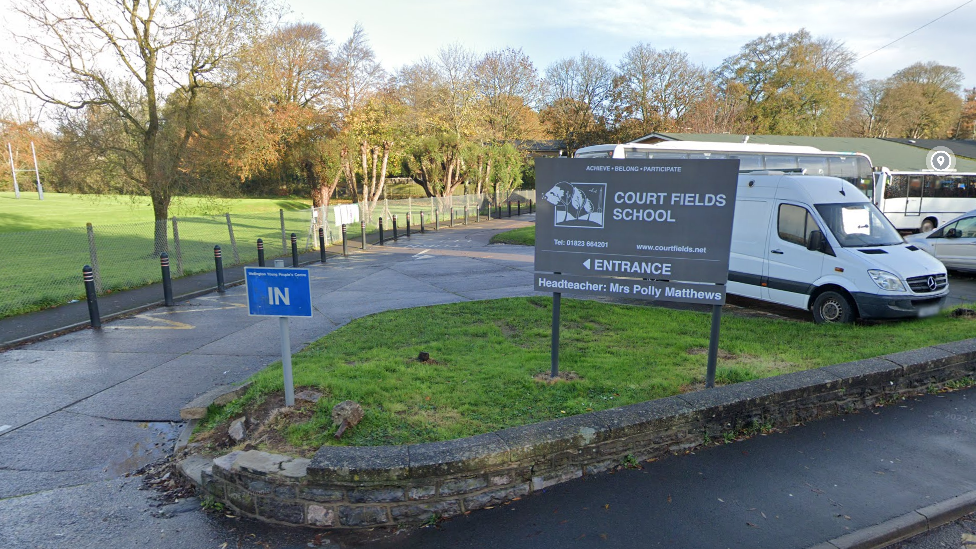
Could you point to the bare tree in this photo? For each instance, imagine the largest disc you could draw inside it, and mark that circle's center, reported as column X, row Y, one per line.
column 509, row 85
column 358, row 75
column 134, row 59
column 660, row 88
column 870, row 116
column 577, row 99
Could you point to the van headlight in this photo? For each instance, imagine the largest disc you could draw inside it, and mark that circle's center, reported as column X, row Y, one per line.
column 886, row 280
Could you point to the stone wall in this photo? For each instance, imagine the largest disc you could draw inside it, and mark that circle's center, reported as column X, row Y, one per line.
column 357, row 487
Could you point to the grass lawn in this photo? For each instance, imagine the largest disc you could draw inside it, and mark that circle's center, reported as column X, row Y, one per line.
column 486, row 358
column 61, row 210
column 46, row 243
column 524, row 236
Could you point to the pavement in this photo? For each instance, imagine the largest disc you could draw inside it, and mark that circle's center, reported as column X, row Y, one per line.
column 82, row 410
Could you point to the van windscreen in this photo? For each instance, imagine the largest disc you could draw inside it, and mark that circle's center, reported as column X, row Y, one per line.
column 860, row 224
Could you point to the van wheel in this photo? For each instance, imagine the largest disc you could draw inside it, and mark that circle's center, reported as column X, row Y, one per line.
column 927, row 226
column 832, row 307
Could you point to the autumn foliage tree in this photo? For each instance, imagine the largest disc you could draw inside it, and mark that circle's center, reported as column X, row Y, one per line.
column 123, row 64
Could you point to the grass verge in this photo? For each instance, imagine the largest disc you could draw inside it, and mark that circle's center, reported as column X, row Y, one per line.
column 524, row 236
column 488, row 359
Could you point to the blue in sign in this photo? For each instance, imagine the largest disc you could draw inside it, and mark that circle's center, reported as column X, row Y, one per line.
column 278, row 292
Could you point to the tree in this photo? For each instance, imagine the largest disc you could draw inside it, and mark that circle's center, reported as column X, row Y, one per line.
column 443, row 111
column 291, row 64
column 577, row 100
column 508, row 84
column 870, row 116
column 923, row 100
column 966, row 127
column 436, row 163
column 358, row 75
column 791, row 83
column 125, row 62
column 658, row 90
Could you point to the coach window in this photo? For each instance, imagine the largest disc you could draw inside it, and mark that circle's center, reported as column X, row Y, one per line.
column 795, row 224
column 897, row 187
column 748, row 162
column 777, row 162
column 814, row 165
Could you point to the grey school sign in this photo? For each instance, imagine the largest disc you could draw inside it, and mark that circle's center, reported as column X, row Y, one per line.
column 646, row 229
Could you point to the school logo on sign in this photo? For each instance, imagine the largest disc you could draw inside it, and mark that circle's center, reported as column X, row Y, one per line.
column 578, row 204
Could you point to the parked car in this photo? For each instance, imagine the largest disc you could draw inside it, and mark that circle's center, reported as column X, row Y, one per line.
column 954, row 244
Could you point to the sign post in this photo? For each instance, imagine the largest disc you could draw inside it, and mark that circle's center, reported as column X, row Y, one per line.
column 283, row 293
column 659, row 230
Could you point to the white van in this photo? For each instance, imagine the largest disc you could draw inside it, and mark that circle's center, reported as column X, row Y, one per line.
column 818, row 243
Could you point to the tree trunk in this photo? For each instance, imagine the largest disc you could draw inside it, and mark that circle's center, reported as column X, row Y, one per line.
column 160, row 203
column 350, row 174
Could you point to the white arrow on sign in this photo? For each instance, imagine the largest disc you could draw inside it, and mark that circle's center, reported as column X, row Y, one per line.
column 586, row 263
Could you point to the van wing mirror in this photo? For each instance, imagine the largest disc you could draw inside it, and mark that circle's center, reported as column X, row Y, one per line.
column 816, row 241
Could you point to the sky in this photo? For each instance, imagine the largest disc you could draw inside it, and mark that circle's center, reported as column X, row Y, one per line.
column 402, row 32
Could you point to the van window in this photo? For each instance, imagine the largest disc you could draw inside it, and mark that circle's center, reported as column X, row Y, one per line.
column 795, row 224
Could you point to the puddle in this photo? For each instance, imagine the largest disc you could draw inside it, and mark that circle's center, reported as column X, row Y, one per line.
column 160, row 437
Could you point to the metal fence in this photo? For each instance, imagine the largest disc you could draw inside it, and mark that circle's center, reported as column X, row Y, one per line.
column 43, row 268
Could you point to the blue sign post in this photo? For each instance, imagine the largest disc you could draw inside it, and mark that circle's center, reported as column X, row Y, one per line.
column 283, row 293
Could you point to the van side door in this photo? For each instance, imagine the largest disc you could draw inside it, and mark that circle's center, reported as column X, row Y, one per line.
column 792, row 268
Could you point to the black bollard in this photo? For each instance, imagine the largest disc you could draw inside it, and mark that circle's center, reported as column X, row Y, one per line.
column 219, row 263
column 381, row 231
column 345, row 250
column 394, row 228
column 362, row 231
column 408, row 225
column 519, row 207
column 509, row 208
column 322, row 243
column 421, row 222
column 437, row 220
column 477, row 215
column 260, row 253
column 452, row 218
column 530, row 205
column 294, row 250
column 167, row 283
column 498, row 213
column 89, row 276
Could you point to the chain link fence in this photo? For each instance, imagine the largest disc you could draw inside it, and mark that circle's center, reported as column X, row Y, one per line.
column 42, row 269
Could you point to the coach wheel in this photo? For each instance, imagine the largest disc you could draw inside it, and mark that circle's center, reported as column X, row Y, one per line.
column 832, row 307
column 927, row 225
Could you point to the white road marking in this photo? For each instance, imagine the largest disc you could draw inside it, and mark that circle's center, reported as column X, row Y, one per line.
column 5, row 427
